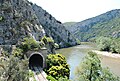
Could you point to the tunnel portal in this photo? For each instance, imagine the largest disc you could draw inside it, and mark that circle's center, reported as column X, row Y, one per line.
column 36, row 60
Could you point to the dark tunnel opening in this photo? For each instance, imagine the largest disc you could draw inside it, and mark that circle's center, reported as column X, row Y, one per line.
column 36, row 60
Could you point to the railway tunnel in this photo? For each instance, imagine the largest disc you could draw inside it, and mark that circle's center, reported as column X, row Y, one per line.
column 36, row 60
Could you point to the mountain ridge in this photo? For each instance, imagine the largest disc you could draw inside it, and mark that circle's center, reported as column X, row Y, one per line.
column 86, row 29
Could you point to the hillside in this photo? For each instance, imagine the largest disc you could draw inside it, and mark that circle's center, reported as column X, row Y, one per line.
column 67, row 24
column 54, row 28
column 21, row 18
column 106, row 24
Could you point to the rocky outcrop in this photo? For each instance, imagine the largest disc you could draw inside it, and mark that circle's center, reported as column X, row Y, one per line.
column 54, row 28
column 20, row 18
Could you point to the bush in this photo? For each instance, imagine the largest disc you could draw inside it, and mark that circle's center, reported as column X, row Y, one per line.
column 57, row 66
column 109, row 44
column 104, row 43
column 1, row 18
column 47, row 40
column 29, row 44
column 50, row 78
column 49, row 43
column 18, row 52
column 14, row 69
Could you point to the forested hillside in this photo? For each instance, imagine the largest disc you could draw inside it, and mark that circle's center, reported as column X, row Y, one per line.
column 107, row 24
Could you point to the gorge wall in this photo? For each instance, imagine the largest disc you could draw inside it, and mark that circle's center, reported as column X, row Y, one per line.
column 21, row 18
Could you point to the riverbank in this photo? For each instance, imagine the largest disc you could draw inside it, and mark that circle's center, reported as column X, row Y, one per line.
column 105, row 53
column 74, row 56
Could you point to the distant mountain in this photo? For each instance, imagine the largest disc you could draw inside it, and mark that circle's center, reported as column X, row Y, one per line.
column 107, row 24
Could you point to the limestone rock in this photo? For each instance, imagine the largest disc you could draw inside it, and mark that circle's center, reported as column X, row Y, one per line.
column 21, row 18
column 19, row 21
column 54, row 28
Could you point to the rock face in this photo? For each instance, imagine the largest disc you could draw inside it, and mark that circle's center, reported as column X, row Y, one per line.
column 17, row 21
column 107, row 24
column 54, row 28
column 20, row 18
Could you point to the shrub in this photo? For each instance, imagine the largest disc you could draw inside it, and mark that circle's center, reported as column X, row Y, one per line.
column 14, row 70
column 18, row 52
column 50, row 78
column 47, row 40
column 1, row 18
column 29, row 44
column 104, row 43
column 109, row 44
column 57, row 66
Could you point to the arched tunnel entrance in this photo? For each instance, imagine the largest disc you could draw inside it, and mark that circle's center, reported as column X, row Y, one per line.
column 36, row 60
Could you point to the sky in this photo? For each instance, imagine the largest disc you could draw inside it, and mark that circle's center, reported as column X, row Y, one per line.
column 77, row 10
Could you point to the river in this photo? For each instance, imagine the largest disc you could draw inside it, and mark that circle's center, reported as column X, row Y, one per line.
column 75, row 55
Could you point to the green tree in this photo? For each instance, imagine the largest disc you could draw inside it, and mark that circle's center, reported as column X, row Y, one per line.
column 18, row 52
column 14, row 69
column 91, row 70
column 29, row 43
column 57, row 66
column 49, row 44
column 115, row 47
column 104, row 43
column 109, row 44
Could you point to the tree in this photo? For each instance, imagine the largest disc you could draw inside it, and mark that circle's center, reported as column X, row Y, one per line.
column 91, row 70
column 104, row 43
column 29, row 43
column 57, row 66
column 49, row 44
column 109, row 44
column 14, row 70
column 115, row 47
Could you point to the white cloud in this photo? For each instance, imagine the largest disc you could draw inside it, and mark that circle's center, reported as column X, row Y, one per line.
column 77, row 10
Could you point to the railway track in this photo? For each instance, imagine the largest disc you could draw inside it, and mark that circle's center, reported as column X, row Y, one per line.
column 38, row 73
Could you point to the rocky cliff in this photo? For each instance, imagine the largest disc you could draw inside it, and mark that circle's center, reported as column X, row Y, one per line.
column 18, row 20
column 106, row 24
column 54, row 28
column 21, row 18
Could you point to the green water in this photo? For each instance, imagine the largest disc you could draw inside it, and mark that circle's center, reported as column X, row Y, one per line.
column 75, row 55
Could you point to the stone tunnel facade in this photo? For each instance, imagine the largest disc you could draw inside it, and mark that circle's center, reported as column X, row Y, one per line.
column 37, row 58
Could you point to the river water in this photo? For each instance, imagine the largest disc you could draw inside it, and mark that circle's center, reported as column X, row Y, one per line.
column 75, row 55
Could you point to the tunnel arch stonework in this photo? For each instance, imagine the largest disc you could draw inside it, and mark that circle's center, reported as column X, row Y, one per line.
column 37, row 58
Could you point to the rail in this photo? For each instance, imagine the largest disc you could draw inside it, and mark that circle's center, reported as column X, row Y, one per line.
column 38, row 73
